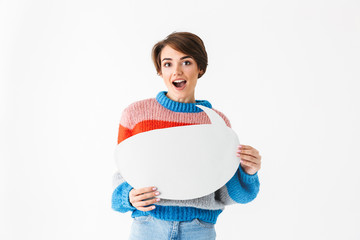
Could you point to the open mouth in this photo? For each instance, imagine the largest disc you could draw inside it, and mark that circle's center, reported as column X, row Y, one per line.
column 179, row 83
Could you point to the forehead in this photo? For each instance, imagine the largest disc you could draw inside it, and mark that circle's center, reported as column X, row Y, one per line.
column 169, row 52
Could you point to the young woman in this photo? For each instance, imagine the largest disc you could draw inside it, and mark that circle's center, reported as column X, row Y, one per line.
column 180, row 59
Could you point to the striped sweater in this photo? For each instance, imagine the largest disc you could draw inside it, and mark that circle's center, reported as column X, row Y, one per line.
column 162, row 112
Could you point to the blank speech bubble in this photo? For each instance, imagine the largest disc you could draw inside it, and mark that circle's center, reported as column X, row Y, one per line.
column 184, row 162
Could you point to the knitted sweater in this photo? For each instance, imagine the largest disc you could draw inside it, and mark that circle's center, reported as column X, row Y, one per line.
column 162, row 112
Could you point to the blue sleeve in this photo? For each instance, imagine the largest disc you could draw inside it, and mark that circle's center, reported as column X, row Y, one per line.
column 242, row 187
column 120, row 198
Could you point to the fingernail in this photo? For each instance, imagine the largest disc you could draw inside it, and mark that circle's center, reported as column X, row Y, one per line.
column 157, row 193
column 154, row 188
column 240, row 146
column 153, row 207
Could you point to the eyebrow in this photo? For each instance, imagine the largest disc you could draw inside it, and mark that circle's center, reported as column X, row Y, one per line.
column 180, row 58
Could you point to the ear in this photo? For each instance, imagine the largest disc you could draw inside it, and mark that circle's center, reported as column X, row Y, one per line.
column 201, row 72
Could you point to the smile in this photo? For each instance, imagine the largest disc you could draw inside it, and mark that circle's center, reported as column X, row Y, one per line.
column 179, row 84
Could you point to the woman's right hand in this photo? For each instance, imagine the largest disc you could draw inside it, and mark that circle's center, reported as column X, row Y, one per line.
column 142, row 197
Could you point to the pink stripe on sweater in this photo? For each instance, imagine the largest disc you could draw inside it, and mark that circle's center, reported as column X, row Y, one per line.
column 150, row 109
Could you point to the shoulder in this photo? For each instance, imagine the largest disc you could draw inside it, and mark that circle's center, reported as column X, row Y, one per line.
column 227, row 121
column 137, row 111
column 139, row 106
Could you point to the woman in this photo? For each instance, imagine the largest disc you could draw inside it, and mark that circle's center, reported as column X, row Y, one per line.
column 180, row 59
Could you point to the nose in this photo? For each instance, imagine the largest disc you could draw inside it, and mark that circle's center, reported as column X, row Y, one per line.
column 177, row 70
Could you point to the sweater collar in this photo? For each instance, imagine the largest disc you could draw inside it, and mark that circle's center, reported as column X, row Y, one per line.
column 179, row 106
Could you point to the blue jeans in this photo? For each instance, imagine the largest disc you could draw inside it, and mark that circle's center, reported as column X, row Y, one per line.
column 149, row 228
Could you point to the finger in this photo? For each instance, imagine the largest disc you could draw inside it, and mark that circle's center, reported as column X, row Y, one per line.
column 145, row 209
column 148, row 202
column 249, row 164
column 252, row 152
column 248, row 152
column 146, row 196
column 248, row 158
column 247, row 147
column 143, row 190
column 243, row 146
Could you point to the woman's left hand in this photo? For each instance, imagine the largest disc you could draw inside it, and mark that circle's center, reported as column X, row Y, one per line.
column 250, row 158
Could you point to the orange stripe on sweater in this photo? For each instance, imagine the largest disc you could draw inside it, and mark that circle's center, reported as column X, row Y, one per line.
column 124, row 133
column 147, row 125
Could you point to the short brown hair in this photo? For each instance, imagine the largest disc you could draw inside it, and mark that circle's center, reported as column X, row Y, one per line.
column 184, row 42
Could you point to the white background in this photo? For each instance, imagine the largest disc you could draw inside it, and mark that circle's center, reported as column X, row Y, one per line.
column 286, row 74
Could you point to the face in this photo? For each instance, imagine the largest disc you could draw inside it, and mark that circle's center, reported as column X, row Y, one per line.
column 180, row 73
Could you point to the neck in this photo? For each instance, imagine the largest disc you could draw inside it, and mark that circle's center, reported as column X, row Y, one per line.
column 187, row 99
column 175, row 106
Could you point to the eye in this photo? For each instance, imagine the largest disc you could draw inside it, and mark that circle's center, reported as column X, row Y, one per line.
column 167, row 64
column 187, row 62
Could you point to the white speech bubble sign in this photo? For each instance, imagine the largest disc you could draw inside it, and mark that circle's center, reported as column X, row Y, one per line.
column 184, row 162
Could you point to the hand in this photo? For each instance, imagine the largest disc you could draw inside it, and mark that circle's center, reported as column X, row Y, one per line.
column 250, row 159
column 140, row 198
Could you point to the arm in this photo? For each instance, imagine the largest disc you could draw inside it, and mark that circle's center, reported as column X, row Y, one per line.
column 120, row 197
column 241, row 188
column 244, row 186
column 125, row 198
